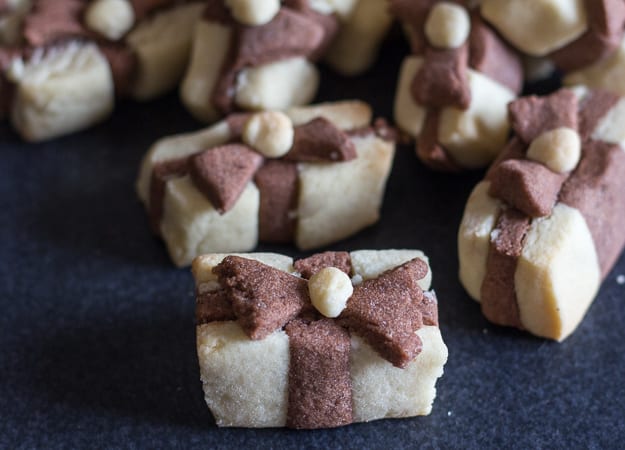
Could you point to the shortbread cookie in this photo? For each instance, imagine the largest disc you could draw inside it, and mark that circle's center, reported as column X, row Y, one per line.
column 571, row 33
column 607, row 73
column 547, row 224
column 322, row 342
column 312, row 175
column 65, row 62
column 253, row 55
column 453, row 91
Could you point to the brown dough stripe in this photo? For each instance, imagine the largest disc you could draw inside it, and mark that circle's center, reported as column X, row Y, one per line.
column 499, row 302
column 293, row 32
column 385, row 311
column 221, row 173
column 593, row 188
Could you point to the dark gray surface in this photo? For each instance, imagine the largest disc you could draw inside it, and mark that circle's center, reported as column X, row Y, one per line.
column 97, row 328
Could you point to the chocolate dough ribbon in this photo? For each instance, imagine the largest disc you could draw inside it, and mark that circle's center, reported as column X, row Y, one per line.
column 385, row 311
column 295, row 31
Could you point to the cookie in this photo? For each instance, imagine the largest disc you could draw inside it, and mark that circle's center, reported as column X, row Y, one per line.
column 453, row 91
column 572, row 33
column 312, row 176
column 251, row 55
column 271, row 355
column 64, row 62
column 545, row 227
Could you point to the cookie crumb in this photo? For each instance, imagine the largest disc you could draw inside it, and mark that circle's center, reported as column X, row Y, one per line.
column 620, row 279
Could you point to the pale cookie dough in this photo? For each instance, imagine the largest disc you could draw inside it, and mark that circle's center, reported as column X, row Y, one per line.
column 256, row 382
column 162, row 45
column 279, row 195
column 364, row 24
column 64, row 62
column 546, row 225
column 61, row 90
column 11, row 21
column 539, row 26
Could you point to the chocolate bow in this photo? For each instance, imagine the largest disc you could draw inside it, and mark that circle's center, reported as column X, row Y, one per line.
column 385, row 311
column 526, row 185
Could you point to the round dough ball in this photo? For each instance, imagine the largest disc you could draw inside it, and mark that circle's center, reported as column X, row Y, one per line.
column 559, row 149
column 448, row 25
column 329, row 290
column 110, row 18
column 254, row 12
column 269, row 132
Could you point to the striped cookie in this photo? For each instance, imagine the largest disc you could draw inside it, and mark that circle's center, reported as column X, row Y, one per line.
column 272, row 360
column 311, row 176
column 546, row 225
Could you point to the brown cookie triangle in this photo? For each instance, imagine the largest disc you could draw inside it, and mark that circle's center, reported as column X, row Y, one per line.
column 221, row 173
column 321, row 140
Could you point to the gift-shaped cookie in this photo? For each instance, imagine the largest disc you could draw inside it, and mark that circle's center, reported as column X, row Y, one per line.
column 452, row 93
column 326, row 341
column 312, row 175
column 63, row 62
column 260, row 55
column 571, row 33
column 547, row 224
